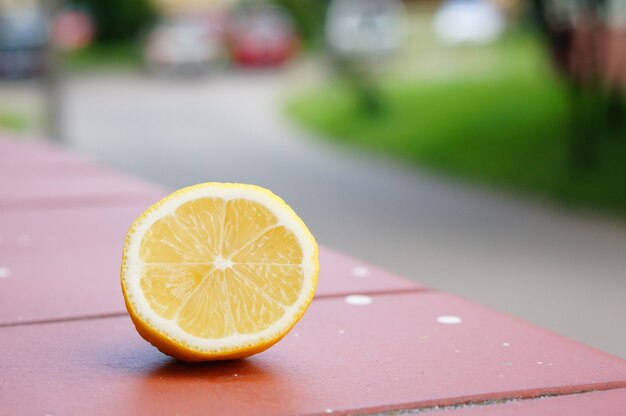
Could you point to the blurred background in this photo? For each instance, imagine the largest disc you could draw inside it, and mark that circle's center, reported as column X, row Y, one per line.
column 477, row 146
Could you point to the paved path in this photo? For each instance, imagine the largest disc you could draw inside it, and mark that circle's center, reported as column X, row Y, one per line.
column 560, row 269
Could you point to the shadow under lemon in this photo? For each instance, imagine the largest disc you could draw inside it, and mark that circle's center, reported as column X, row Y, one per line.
column 151, row 380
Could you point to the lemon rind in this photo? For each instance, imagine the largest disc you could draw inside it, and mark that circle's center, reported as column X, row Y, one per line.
column 168, row 332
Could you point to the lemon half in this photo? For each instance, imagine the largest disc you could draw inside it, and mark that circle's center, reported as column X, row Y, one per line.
column 218, row 271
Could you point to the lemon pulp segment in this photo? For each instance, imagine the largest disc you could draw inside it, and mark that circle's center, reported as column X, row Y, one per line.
column 220, row 267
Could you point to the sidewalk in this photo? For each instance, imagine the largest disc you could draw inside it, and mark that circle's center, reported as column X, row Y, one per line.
column 556, row 268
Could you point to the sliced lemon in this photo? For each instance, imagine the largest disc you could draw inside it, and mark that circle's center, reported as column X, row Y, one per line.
column 218, row 271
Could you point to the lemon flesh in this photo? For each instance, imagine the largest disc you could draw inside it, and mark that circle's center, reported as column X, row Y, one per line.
column 218, row 271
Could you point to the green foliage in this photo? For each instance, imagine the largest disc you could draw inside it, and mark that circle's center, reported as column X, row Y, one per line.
column 509, row 127
column 308, row 16
column 118, row 20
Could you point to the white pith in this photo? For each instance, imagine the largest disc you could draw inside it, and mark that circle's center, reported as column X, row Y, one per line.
column 131, row 273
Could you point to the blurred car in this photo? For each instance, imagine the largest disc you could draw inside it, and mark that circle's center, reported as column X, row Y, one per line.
column 474, row 22
column 184, row 45
column 73, row 29
column 23, row 37
column 365, row 28
column 261, row 36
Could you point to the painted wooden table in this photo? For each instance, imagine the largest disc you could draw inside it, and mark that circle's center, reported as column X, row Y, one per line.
column 371, row 341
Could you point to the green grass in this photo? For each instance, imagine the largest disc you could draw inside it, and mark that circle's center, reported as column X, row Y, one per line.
column 98, row 56
column 498, row 116
column 11, row 121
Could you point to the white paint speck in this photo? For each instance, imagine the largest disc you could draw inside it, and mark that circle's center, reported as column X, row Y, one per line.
column 539, row 362
column 449, row 319
column 24, row 240
column 5, row 272
column 295, row 334
column 457, row 351
column 235, row 375
column 341, row 331
column 501, row 375
column 361, row 271
column 505, row 344
column 328, row 410
column 506, row 364
column 358, row 300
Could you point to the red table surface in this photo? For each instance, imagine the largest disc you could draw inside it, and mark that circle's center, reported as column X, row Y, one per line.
column 390, row 354
column 600, row 403
column 94, row 186
column 20, row 152
column 35, row 175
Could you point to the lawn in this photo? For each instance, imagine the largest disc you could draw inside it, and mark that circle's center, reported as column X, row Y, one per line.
column 123, row 55
column 13, row 121
column 494, row 114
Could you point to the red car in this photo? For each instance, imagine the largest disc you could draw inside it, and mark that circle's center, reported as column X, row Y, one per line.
column 261, row 36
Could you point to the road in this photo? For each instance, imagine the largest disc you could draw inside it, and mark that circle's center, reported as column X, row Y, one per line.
column 558, row 268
